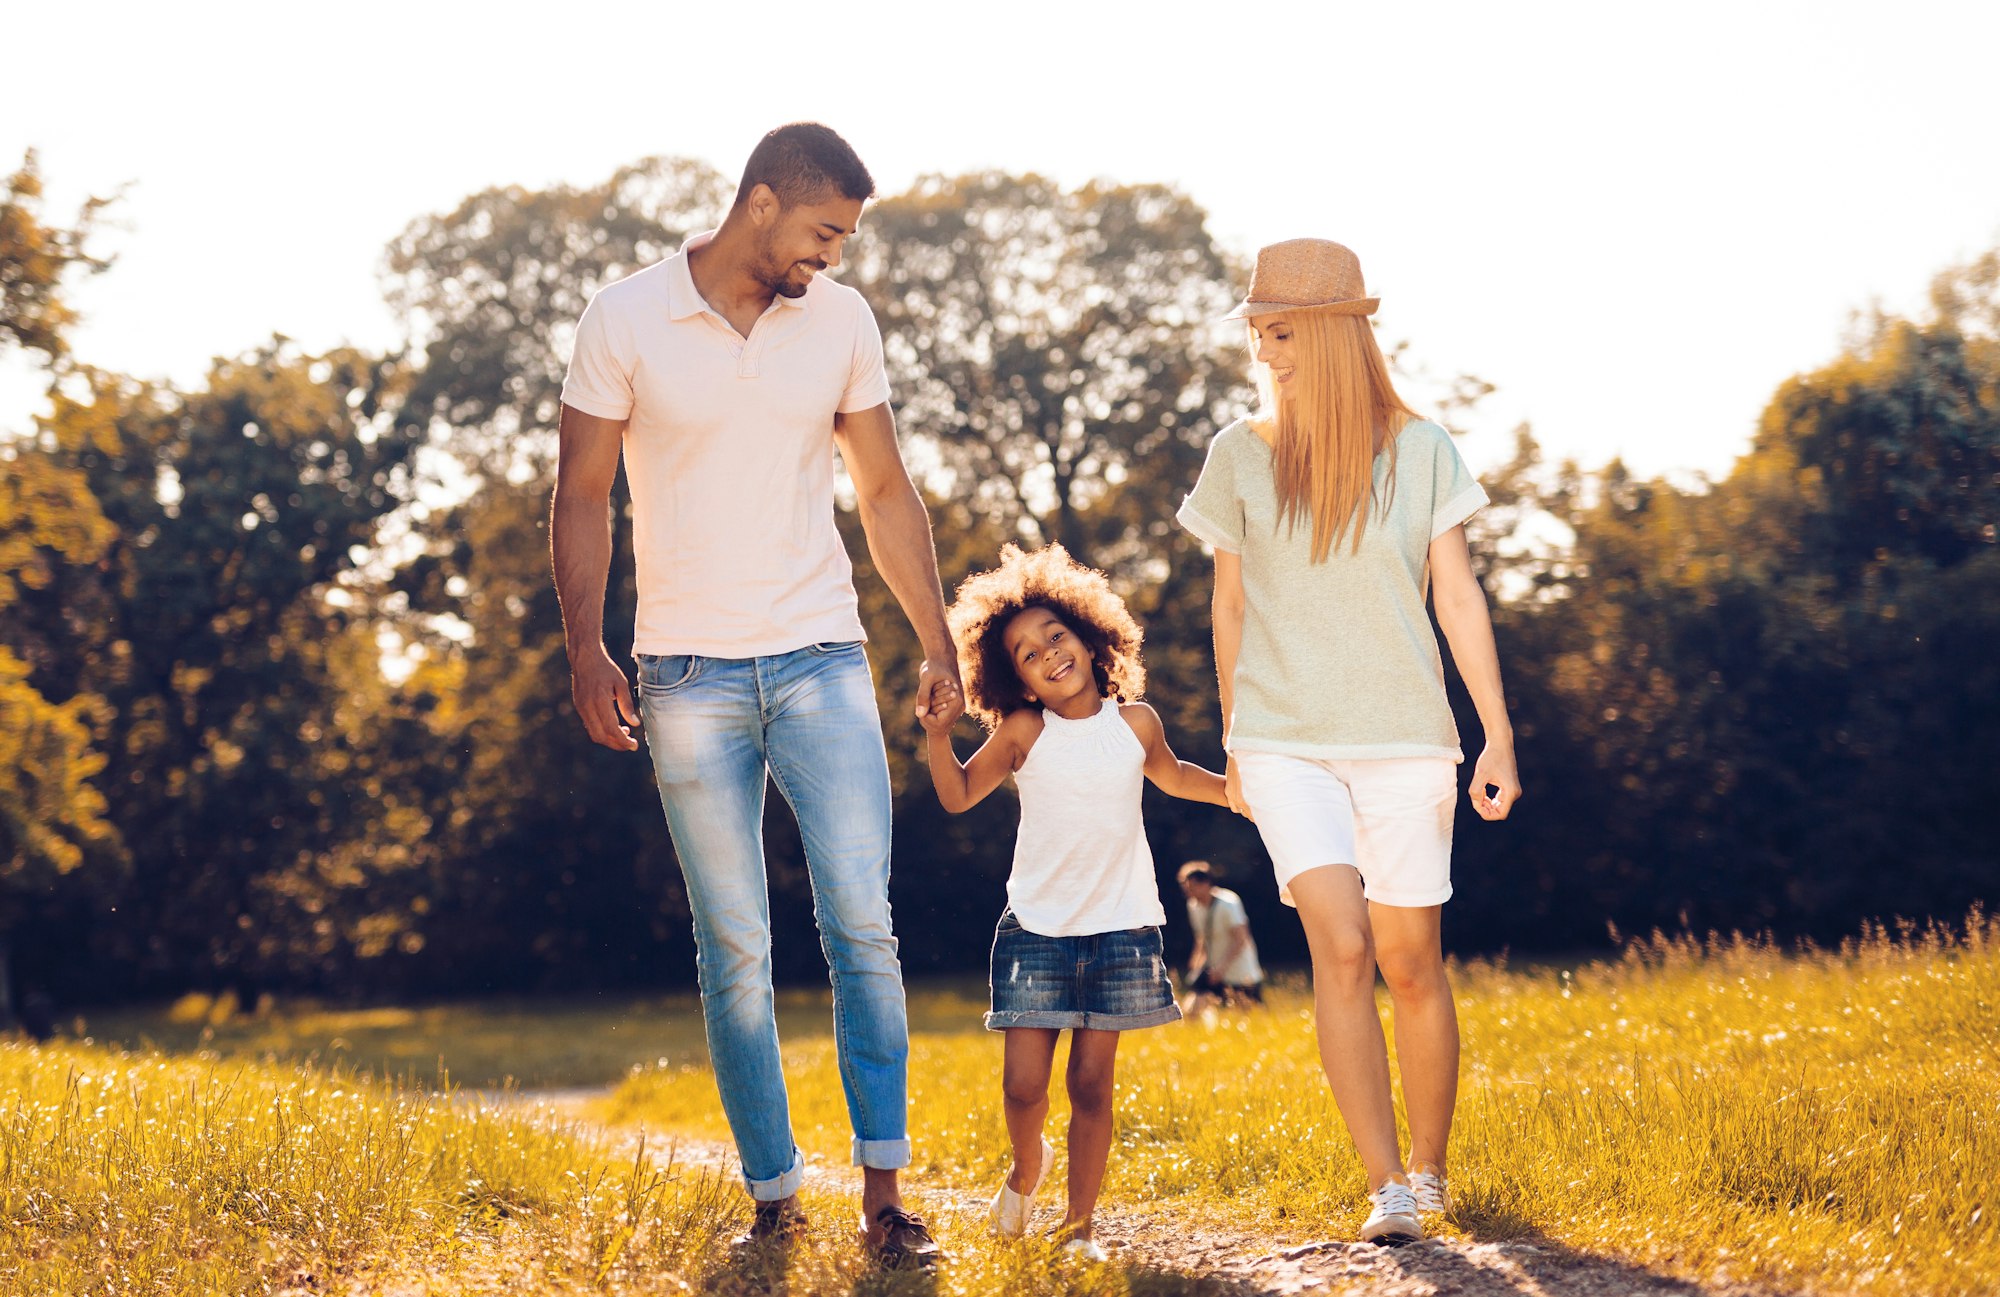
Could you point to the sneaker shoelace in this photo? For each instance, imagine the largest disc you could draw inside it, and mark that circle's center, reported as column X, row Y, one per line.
column 1394, row 1199
column 1428, row 1189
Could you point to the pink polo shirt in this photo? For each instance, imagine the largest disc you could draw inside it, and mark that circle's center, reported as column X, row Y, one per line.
column 729, row 453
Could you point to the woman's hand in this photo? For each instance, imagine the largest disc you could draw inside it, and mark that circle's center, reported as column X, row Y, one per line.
column 1232, row 785
column 1495, row 767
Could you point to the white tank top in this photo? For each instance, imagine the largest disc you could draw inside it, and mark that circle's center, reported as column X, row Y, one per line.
column 1081, row 863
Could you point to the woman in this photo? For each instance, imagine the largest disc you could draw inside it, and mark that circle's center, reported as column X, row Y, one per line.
column 1332, row 515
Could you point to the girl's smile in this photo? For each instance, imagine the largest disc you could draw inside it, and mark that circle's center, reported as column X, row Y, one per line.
column 1053, row 663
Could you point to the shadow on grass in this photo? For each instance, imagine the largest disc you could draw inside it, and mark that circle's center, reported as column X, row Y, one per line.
column 828, row 1266
column 779, row 1271
column 1508, row 1257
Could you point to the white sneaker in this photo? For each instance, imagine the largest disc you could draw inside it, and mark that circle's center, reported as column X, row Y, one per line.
column 1393, row 1222
column 1433, row 1195
column 1083, row 1249
column 1011, row 1213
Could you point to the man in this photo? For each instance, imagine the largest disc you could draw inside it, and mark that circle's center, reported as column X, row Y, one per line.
column 1224, row 967
column 728, row 374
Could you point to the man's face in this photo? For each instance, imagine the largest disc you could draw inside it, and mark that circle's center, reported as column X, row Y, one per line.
column 1198, row 890
column 799, row 242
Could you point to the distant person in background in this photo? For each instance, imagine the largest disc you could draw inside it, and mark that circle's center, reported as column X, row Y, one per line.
column 727, row 376
column 1334, row 514
column 1223, row 969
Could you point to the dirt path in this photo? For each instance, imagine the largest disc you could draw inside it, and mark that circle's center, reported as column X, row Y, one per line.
column 1247, row 1265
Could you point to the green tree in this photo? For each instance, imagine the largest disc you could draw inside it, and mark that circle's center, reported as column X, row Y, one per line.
column 209, row 626
column 1045, row 344
column 1058, row 372
column 1762, row 702
column 52, row 817
column 490, row 293
column 540, row 873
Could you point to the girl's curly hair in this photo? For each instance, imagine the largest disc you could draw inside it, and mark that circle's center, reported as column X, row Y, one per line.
column 1047, row 578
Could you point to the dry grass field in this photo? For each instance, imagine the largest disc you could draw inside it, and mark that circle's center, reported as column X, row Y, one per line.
column 1720, row 1112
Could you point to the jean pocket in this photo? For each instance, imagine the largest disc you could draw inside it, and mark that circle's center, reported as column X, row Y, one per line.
column 1008, row 923
column 662, row 674
column 833, row 647
column 1145, row 941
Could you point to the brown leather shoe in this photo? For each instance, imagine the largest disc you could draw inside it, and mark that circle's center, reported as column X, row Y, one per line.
column 903, row 1240
column 777, row 1223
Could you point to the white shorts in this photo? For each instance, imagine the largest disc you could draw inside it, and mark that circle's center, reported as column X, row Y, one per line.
column 1389, row 817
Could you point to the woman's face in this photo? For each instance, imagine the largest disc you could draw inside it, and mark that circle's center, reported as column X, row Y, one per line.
column 1273, row 335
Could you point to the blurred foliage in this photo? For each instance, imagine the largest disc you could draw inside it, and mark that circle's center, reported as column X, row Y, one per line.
column 1058, row 375
column 555, row 866
column 36, row 259
column 288, row 643
column 1766, row 702
column 238, row 687
column 53, row 818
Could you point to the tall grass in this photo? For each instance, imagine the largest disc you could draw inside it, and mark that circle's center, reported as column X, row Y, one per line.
column 1715, row 1109
column 1719, row 1109
column 128, row 1174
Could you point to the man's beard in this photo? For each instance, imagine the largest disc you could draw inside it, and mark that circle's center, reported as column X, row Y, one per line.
column 778, row 278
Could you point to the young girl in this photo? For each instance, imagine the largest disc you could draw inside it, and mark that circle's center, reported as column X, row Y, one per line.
column 1050, row 659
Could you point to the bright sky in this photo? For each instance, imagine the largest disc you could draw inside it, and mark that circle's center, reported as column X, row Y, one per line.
column 1635, row 221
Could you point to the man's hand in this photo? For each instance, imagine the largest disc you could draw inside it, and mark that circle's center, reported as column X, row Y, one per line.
column 940, row 700
column 1495, row 767
column 603, row 698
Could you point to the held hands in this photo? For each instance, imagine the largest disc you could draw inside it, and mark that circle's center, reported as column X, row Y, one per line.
column 940, row 701
column 603, row 699
column 1495, row 768
column 1232, row 786
column 947, row 705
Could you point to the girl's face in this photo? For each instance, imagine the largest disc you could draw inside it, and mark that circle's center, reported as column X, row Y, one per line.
column 1052, row 661
column 1273, row 335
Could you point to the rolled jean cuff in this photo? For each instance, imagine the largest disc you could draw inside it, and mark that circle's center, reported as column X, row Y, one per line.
column 783, row 1186
column 882, row 1154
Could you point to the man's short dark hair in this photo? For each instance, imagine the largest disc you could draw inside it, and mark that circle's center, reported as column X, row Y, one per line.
column 1196, row 871
column 803, row 163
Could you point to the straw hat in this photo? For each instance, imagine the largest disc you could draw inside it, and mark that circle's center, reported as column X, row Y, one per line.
column 1306, row 275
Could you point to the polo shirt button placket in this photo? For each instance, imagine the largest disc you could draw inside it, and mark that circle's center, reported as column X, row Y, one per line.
column 753, row 346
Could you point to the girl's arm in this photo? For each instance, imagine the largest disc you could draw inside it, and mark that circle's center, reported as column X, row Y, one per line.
column 960, row 787
column 1170, row 774
column 1468, row 628
column 1228, row 617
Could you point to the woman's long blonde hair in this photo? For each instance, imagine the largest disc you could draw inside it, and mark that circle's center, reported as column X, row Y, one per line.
column 1340, row 412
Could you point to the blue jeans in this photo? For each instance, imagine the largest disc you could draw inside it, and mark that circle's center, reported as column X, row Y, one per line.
column 715, row 727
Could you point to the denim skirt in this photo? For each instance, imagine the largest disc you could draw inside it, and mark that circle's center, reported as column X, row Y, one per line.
column 1102, row 981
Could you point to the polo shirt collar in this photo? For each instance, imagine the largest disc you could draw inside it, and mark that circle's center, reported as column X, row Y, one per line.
column 684, row 300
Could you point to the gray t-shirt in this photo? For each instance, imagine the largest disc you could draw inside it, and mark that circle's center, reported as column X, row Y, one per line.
column 1338, row 659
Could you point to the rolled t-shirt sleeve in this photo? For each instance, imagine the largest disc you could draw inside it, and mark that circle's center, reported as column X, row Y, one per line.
column 1213, row 510
column 1455, row 492
column 599, row 381
column 867, row 378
